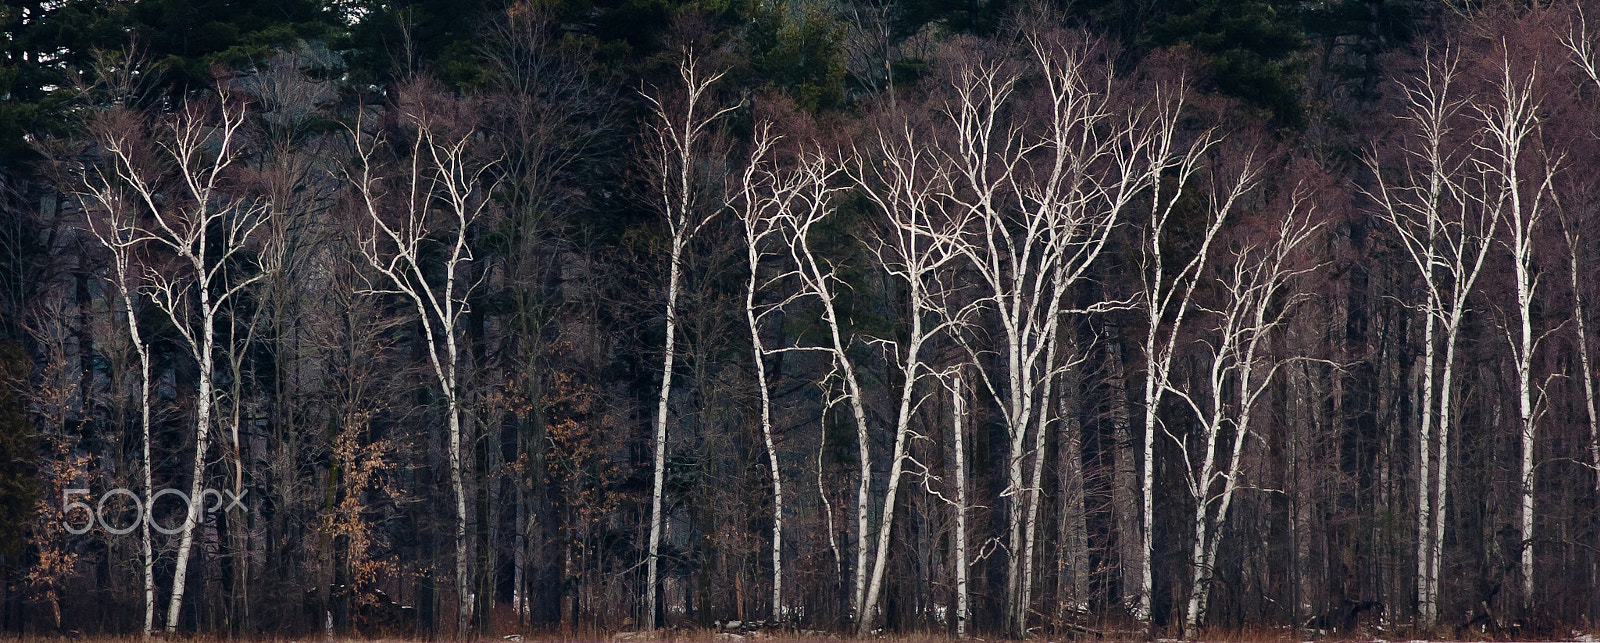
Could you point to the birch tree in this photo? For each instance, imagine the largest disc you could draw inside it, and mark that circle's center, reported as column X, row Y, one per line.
column 1257, row 298
column 438, row 194
column 1045, row 205
column 679, row 129
column 183, row 181
column 915, row 240
column 1575, row 270
column 1166, row 299
column 1446, row 243
column 1586, row 55
column 958, row 416
column 818, row 278
column 759, row 225
column 111, row 218
column 773, row 199
column 1517, row 175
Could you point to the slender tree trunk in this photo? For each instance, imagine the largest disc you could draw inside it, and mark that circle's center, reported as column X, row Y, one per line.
column 1583, row 52
column 1201, row 578
column 146, row 551
column 1147, row 473
column 238, row 530
column 863, row 491
column 902, row 436
column 1035, row 489
column 464, row 595
column 1017, row 431
column 1206, row 544
column 149, row 488
column 819, row 283
column 759, row 354
column 958, row 423
column 827, row 512
column 659, row 459
column 1527, row 423
column 1441, row 472
column 1427, row 611
column 206, row 340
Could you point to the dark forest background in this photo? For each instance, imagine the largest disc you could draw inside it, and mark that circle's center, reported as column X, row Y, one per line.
column 986, row 317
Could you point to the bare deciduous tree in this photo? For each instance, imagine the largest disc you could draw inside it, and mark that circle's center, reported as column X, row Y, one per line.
column 1516, row 172
column 1046, row 205
column 916, row 240
column 113, row 222
column 682, row 121
column 1257, row 297
column 1447, row 244
column 1169, row 166
column 185, row 183
column 439, row 193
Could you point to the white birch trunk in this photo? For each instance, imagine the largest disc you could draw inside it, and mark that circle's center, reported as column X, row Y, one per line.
column 1257, row 284
column 758, row 223
column 118, row 232
column 659, row 455
column 1036, row 485
column 149, row 562
column 145, row 548
column 902, row 434
column 1161, row 299
column 203, row 398
column 1509, row 124
column 1415, row 208
column 958, row 423
column 202, row 147
column 777, row 478
column 1039, row 234
column 443, row 176
column 1583, row 53
column 465, row 599
column 678, row 129
column 818, row 282
column 1426, row 610
column 912, row 247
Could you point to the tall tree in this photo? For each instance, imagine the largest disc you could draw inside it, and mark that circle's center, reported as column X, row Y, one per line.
column 1170, row 164
column 1257, row 298
column 1517, row 173
column 112, row 219
column 439, row 193
column 914, row 243
column 184, row 176
column 1447, row 243
column 680, row 131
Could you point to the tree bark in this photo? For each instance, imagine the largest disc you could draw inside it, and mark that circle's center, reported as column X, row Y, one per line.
column 958, row 425
column 659, row 454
